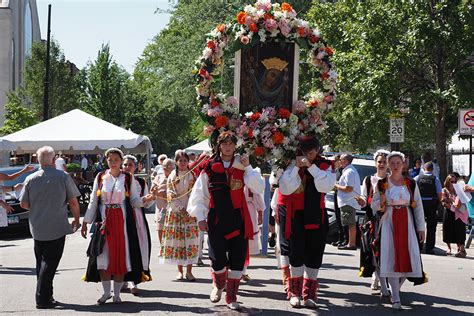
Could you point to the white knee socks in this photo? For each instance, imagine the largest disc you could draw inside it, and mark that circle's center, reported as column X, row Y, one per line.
column 395, row 288
column 117, row 288
column 107, row 285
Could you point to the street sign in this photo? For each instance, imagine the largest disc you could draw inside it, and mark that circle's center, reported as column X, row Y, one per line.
column 397, row 130
column 466, row 121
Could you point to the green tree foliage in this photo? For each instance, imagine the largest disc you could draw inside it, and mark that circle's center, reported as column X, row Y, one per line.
column 105, row 85
column 393, row 55
column 17, row 116
column 64, row 86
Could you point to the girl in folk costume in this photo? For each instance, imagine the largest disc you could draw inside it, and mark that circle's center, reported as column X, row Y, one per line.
column 455, row 217
column 129, row 165
column 159, row 191
column 256, row 205
column 304, row 220
column 369, row 254
column 112, row 201
column 180, row 235
column 218, row 202
column 402, row 228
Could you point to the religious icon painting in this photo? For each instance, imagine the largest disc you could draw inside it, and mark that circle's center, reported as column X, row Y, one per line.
column 266, row 75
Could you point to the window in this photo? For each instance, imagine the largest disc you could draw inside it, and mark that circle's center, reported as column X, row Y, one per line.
column 28, row 30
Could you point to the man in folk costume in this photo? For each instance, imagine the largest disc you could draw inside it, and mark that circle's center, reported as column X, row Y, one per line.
column 304, row 221
column 218, row 202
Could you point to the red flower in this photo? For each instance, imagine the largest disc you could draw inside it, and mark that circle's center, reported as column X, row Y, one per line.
column 255, row 116
column 250, row 133
column 302, row 31
column 203, row 72
column 221, row 121
column 314, row 39
column 211, row 45
column 328, row 99
column 286, row 7
column 253, row 28
column 278, row 138
column 324, row 75
column 313, row 103
column 268, row 16
column 221, row 28
column 241, row 17
column 218, row 168
column 284, row 113
column 259, row 151
column 215, row 103
column 329, row 51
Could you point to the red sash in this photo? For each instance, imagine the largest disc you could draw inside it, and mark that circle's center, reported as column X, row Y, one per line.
column 293, row 202
column 116, row 241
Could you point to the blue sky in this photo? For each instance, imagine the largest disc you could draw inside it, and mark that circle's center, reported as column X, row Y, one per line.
column 81, row 26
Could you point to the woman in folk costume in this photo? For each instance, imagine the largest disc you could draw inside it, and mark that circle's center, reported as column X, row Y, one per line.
column 304, row 220
column 369, row 254
column 218, row 202
column 402, row 228
column 181, row 234
column 256, row 205
column 159, row 191
column 112, row 201
column 130, row 164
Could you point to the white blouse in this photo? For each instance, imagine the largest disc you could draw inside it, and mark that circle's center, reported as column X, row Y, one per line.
column 324, row 180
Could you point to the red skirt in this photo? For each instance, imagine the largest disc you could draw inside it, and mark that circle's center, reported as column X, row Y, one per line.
column 116, row 241
column 400, row 240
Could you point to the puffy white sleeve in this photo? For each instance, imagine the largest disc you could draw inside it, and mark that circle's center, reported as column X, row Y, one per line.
column 419, row 213
column 363, row 193
column 90, row 215
column 259, row 202
column 274, row 202
column 324, row 180
column 275, row 176
column 290, row 180
column 253, row 180
column 198, row 204
column 375, row 205
column 135, row 198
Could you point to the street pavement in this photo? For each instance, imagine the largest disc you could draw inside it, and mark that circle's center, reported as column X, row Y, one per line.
column 450, row 290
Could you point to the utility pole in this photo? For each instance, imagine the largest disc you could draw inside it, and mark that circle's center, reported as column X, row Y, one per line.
column 46, row 76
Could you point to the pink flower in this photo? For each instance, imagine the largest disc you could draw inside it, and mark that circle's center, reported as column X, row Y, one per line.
column 232, row 101
column 244, row 39
column 215, row 112
column 284, row 28
column 234, row 123
column 271, row 25
column 264, row 5
column 249, row 20
column 299, row 106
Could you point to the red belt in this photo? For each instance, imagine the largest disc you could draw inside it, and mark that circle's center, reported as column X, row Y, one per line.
column 292, row 203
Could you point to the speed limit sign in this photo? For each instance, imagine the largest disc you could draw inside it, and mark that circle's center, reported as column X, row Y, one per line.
column 397, row 130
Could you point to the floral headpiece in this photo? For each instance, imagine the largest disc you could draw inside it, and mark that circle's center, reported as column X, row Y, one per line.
column 381, row 152
column 396, row 154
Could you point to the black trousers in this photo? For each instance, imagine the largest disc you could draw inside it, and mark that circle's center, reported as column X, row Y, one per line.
column 305, row 247
column 223, row 252
column 430, row 207
column 343, row 231
column 48, row 254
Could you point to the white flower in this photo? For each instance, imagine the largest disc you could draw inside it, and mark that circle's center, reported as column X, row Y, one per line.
column 207, row 53
column 250, row 9
column 274, row 33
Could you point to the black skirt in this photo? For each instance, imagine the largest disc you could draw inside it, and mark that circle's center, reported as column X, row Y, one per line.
column 454, row 231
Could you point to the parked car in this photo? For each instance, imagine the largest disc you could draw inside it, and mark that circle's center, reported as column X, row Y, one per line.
column 365, row 166
column 18, row 219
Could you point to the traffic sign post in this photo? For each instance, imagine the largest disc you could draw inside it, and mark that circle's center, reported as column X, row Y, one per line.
column 397, row 130
column 466, row 127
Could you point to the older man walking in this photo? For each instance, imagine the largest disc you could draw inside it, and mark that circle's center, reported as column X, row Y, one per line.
column 348, row 188
column 47, row 193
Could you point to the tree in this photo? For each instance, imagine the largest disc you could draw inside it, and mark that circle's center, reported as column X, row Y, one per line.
column 64, row 86
column 17, row 116
column 106, row 88
column 408, row 54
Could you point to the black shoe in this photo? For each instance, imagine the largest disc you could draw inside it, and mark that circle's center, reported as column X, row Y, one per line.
column 48, row 305
column 272, row 241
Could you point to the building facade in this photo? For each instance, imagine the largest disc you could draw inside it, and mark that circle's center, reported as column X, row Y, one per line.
column 19, row 28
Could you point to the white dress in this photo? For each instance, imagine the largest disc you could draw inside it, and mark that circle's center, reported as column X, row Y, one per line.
column 255, row 204
column 118, row 197
column 399, row 195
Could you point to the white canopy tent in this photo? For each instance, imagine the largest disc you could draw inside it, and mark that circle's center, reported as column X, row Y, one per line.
column 460, row 154
column 74, row 132
column 199, row 147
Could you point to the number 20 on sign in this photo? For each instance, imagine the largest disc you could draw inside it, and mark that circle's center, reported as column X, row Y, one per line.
column 397, row 130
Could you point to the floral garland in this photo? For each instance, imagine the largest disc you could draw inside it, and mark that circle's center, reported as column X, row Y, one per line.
column 271, row 133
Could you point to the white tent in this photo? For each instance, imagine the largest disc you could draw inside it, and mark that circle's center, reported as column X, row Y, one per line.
column 199, row 147
column 460, row 154
column 75, row 132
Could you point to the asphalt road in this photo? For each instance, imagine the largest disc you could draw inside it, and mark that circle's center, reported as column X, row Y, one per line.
column 450, row 290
